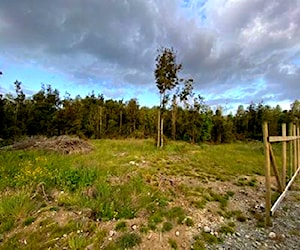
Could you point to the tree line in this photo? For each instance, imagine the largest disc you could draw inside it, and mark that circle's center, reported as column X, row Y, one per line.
column 46, row 113
column 180, row 115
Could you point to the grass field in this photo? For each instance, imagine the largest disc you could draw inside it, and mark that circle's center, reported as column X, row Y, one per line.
column 122, row 193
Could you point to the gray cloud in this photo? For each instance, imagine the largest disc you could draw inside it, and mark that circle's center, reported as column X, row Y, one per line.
column 224, row 45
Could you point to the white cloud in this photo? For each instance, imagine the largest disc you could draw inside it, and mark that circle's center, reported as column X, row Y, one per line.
column 224, row 44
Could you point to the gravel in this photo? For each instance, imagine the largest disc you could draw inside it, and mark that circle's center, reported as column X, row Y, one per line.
column 283, row 234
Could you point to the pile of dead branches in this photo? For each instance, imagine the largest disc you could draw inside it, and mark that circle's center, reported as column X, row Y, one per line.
column 62, row 144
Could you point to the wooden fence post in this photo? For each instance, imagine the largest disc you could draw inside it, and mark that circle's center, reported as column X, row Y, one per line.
column 298, row 147
column 283, row 128
column 267, row 173
column 290, row 152
column 295, row 151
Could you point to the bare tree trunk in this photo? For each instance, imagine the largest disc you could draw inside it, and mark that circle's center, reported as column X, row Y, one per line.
column 162, row 132
column 100, row 122
column 121, row 122
column 174, row 116
column 158, row 129
column 174, row 123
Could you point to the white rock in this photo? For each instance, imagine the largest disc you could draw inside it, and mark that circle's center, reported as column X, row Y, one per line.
column 206, row 229
column 134, row 227
column 110, row 238
column 177, row 233
column 272, row 235
column 112, row 233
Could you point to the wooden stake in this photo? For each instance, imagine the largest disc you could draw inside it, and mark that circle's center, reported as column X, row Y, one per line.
column 290, row 152
column 275, row 169
column 295, row 151
column 158, row 128
column 298, row 146
column 267, row 173
column 283, row 128
column 162, row 133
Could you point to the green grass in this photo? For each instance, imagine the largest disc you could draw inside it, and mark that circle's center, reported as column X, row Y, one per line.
column 119, row 180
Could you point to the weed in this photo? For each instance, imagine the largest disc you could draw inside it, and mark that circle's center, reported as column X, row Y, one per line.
column 210, row 238
column 274, row 196
column 14, row 208
column 226, row 229
column 260, row 219
column 167, row 226
column 244, row 181
column 100, row 237
column 173, row 243
column 144, row 229
column 77, row 242
column 128, row 240
column 241, row 217
column 176, row 213
column 198, row 243
column 28, row 221
column 157, row 217
column 199, row 203
column 223, row 199
column 121, row 226
column 189, row 222
column 229, row 193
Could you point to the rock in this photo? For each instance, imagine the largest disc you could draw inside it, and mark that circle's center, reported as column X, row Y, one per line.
column 134, row 227
column 272, row 235
column 207, row 229
column 110, row 238
column 177, row 233
column 262, row 206
column 90, row 247
column 111, row 233
column 237, row 234
column 149, row 237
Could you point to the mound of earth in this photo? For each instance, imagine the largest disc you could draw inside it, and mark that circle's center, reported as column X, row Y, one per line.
column 61, row 144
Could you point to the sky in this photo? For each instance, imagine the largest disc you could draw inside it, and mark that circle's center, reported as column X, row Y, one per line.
column 237, row 51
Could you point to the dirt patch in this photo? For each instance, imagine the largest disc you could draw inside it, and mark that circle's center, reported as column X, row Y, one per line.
column 61, row 144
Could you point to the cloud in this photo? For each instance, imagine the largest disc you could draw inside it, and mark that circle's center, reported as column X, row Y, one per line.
column 225, row 45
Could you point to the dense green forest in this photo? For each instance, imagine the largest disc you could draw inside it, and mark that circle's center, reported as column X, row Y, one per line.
column 47, row 113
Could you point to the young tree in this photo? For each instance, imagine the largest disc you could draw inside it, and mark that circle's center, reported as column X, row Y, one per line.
column 166, row 75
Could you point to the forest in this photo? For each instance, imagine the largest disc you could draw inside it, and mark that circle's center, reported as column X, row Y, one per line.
column 47, row 113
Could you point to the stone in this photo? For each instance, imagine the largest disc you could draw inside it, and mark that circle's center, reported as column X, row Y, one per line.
column 207, row 229
column 237, row 234
column 177, row 233
column 134, row 227
column 90, row 247
column 272, row 235
column 111, row 233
